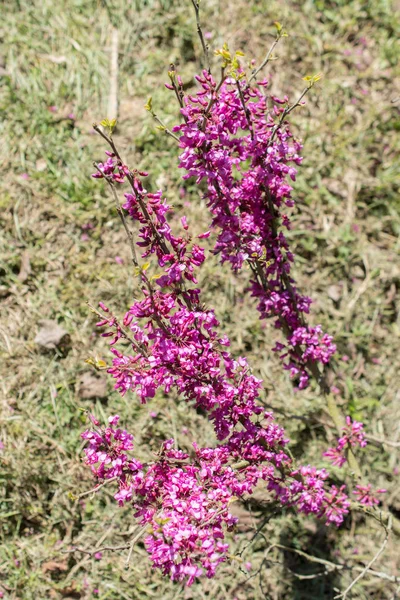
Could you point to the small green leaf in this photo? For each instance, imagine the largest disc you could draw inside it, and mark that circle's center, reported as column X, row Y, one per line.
column 311, row 79
column 107, row 124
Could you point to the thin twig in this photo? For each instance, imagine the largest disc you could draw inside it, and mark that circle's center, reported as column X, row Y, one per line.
column 133, row 542
column 90, row 552
column 160, row 238
column 121, row 216
column 213, row 99
column 343, row 595
column 246, row 110
column 266, row 59
column 165, row 128
column 138, row 348
column 196, row 6
column 97, row 487
column 258, row 531
column 130, row 178
column 382, row 441
column 95, row 550
column 338, row 567
column 78, row 565
column 285, row 113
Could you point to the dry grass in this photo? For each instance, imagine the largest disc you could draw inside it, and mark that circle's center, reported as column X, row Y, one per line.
column 346, row 237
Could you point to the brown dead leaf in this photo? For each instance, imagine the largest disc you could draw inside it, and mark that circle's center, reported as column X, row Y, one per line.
column 51, row 335
column 53, row 565
column 70, row 592
column 25, row 269
column 91, row 386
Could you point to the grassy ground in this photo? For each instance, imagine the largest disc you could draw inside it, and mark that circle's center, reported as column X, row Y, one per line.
column 61, row 244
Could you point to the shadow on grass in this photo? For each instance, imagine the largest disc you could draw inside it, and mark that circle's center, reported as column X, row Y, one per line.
column 299, row 577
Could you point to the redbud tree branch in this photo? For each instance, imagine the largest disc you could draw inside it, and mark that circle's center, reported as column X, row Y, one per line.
column 196, row 6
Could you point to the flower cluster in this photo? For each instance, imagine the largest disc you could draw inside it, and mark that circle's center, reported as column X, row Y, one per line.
column 353, row 436
column 366, row 496
column 183, row 502
column 175, row 345
column 182, row 507
column 236, row 138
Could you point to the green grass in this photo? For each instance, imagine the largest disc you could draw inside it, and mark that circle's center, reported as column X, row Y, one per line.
column 346, row 237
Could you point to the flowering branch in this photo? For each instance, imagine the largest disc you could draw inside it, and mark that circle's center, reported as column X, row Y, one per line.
column 182, row 500
column 176, row 345
column 245, row 201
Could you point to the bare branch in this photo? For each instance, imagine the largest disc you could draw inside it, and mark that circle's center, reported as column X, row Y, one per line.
column 97, row 487
column 165, row 128
column 381, row 550
column 196, row 6
column 285, row 113
column 91, row 551
column 266, row 59
column 246, row 110
column 133, row 542
column 331, row 566
column 95, row 550
column 121, row 216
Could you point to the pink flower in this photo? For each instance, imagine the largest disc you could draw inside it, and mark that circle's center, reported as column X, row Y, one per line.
column 172, row 343
column 353, row 434
column 239, row 170
column 336, row 456
column 366, row 496
column 113, row 420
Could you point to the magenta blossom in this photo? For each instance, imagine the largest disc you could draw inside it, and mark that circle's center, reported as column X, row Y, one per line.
column 172, row 342
column 353, row 436
column 366, row 496
column 234, row 141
